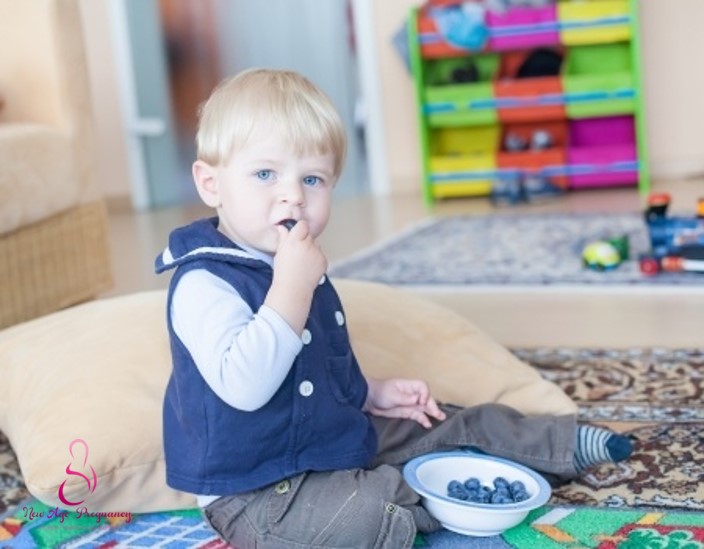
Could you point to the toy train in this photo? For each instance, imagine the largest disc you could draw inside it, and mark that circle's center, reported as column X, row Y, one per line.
column 677, row 243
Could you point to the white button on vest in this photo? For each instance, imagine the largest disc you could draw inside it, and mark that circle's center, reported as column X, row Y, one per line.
column 340, row 318
column 306, row 337
column 321, row 281
column 305, row 388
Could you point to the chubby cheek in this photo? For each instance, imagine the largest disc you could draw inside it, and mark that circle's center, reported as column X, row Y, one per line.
column 318, row 222
column 318, row 213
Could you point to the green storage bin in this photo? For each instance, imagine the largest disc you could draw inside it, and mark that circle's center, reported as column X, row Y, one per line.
column 598, row 81
column 451, row 104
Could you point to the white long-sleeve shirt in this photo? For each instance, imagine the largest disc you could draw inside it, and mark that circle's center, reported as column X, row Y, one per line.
column 243, row 355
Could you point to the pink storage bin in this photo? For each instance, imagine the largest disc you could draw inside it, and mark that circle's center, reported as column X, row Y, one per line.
column 608, row 130
column 516, row 28
column 599, row 143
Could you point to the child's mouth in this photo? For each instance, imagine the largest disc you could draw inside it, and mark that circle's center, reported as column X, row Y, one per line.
column 288, row 223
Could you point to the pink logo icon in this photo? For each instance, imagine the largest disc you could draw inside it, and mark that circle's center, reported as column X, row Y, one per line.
column 91, row 482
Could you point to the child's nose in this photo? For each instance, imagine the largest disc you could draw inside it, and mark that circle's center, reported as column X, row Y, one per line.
column 292, row 192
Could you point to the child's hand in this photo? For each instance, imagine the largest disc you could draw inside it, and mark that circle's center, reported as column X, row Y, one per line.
column 402, row 398
column 299, row 264
column 299, row 258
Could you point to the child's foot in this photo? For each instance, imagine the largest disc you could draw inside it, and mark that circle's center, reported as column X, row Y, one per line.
column 596, row 445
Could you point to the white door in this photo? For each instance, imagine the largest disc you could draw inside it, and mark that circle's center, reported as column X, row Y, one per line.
column 149, row 121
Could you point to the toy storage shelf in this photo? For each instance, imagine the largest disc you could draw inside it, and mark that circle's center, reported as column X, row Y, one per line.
column 472, row 102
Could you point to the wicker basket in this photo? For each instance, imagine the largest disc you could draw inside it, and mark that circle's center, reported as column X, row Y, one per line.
column 60, row 261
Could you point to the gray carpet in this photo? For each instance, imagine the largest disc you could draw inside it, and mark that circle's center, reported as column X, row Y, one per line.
column 503, row 249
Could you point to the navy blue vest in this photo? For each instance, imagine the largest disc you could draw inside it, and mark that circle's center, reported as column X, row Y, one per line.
column 212, row 448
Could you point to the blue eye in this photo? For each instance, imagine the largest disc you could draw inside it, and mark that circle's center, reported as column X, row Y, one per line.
column 312, row 180
column 264, row 175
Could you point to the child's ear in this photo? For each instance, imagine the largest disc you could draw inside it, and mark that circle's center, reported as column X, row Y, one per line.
column 205, row 178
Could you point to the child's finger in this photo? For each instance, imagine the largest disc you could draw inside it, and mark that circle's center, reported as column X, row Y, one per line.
column 283, row 233
column 423, row 392
column 421, row 418
column 416, row 413
column 433, row 410
column 406, row 412
column 300, row 229
column 420, row 391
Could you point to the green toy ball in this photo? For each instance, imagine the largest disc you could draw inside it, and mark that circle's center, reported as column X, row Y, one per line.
column 603, row 255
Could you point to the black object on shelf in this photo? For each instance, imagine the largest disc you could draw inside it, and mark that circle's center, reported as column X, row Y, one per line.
column 540, row 62
column 466, row 74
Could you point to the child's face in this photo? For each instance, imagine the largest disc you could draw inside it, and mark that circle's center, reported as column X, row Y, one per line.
column 266, row 182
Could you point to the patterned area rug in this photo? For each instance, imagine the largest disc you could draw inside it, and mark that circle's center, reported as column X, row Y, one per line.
column 655, row 395
column 527, row 249
column 655, row 500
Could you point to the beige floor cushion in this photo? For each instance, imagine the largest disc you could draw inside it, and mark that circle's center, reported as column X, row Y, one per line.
column 82, row 388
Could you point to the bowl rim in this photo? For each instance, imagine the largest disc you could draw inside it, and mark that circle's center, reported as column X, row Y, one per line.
column 410, row 474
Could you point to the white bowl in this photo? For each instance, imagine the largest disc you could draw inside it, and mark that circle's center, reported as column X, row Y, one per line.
column 430, row 474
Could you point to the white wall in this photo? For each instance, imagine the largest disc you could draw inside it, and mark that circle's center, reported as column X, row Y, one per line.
column 112, row 153
column 673, row 78
column 673, row 85
column 397, row 100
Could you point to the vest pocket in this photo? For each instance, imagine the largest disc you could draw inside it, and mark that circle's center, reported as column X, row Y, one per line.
column 340, row 375
column 340, row 366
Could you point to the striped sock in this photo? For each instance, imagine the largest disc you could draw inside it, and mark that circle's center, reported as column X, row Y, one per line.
column 596, row 445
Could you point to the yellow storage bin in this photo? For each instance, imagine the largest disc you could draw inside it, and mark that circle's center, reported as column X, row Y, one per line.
column 455, row 190
column 465, row 140
column 463, row 160
column 593, row 21
column 462, row 175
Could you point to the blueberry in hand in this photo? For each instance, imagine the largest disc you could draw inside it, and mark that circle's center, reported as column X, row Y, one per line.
column 288, row 223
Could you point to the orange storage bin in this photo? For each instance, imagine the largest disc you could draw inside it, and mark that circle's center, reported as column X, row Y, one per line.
column 432, row 42
column 527, row 99
column 438, row 3
column 532, row 159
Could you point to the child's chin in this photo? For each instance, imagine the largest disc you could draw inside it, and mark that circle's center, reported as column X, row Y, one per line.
column 268, row 248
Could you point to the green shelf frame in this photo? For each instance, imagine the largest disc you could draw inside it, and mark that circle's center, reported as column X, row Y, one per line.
column 631, row 104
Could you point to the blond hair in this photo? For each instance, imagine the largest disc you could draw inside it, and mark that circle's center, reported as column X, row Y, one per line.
column 285, row 99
